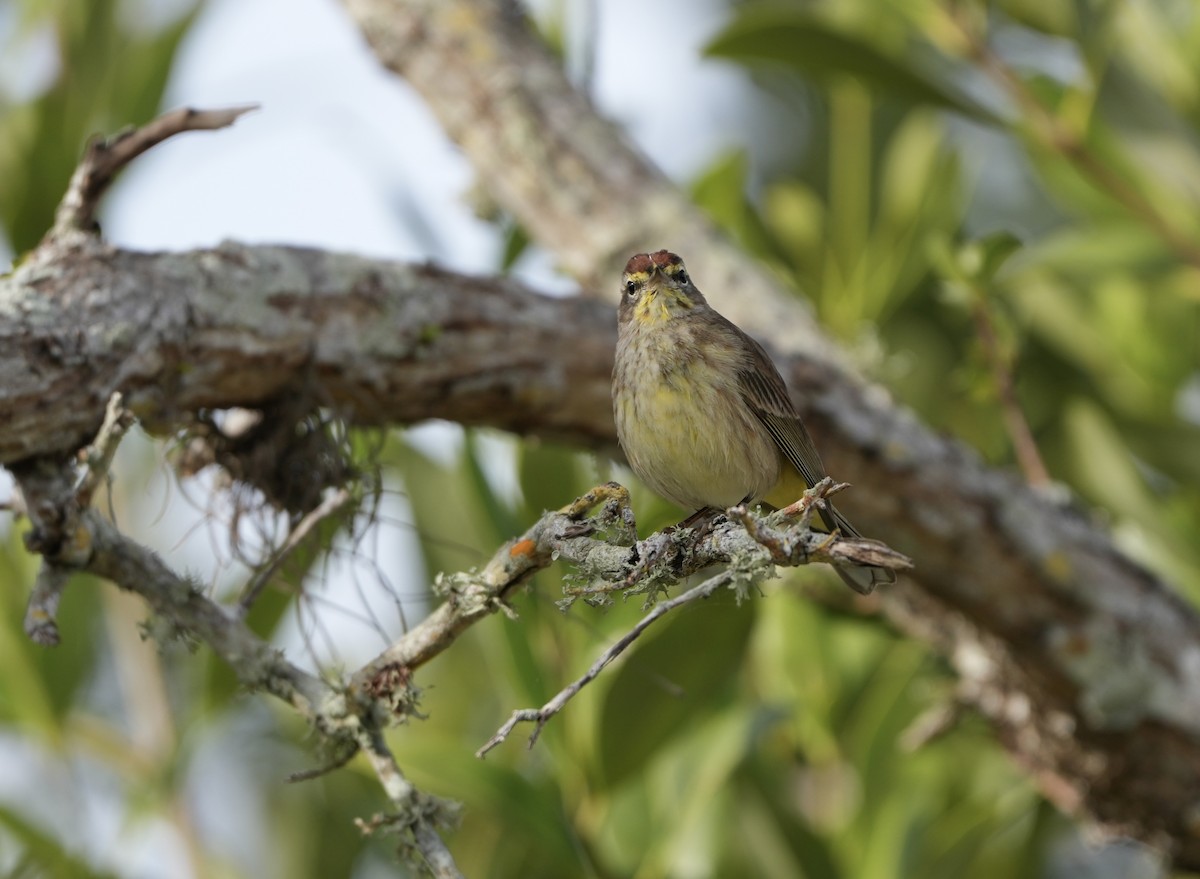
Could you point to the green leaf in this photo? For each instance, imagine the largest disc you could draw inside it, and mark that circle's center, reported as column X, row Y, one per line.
column 496, row 512
column 767, row 788
column 984, row 256
column 796, row 40
column 721, row 192
column 516, row 242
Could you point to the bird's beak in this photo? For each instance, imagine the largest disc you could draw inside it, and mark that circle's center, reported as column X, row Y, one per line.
column 660, row 282
column 654, row 282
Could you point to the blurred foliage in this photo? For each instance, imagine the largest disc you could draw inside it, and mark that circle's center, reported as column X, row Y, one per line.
column 1034, row 159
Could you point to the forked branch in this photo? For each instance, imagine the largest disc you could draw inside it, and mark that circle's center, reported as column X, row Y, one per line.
column 105, row 157
column 599, row 547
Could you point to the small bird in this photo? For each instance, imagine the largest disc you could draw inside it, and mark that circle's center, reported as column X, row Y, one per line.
column 702, row 413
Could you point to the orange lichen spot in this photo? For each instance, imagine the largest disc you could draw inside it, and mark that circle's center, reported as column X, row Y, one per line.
column 522, row 547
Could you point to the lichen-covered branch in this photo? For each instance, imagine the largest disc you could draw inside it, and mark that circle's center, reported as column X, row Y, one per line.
column 72, row 538
column 607, row 558
column 56, row 495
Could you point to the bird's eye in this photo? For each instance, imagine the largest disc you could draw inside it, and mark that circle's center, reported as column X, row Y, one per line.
column 681, row 276
column 630, row 288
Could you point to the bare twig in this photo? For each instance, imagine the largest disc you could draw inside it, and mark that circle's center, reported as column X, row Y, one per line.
column 1024, row 445
column 813, row 500
column 105, row 157
column 332, row 505
column 347, row 753
column 98, row 456
column 539, row 716
column 796, row 544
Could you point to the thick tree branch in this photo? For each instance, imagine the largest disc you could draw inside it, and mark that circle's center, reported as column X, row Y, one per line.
column 239, row 326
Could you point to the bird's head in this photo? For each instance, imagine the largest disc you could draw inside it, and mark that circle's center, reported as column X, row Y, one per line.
column 655, row 287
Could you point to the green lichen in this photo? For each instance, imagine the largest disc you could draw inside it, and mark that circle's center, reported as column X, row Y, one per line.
column 747, row 569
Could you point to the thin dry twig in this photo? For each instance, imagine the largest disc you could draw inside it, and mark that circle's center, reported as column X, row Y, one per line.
column 540, row 716
column 1015, row 422
column 347, row 754
column 332, row 505
column 105, row 157
column 98, row 456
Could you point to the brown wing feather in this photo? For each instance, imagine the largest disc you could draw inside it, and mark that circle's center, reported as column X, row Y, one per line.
column 766, row 394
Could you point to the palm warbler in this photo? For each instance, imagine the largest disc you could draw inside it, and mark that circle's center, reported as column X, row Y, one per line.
column 703, row 415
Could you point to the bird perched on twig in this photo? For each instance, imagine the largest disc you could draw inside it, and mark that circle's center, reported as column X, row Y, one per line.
column 702, row 413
